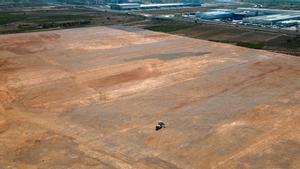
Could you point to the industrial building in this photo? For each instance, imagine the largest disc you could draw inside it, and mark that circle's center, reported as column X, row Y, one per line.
column 139, row 6
column 274, row 18
column 289, row 23
column 224, row 14
column 214, row 15
column 125, row 6
column 265, row 11
column 271, row 19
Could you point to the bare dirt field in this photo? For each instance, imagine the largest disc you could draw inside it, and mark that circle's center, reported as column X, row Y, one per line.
column 91, row 97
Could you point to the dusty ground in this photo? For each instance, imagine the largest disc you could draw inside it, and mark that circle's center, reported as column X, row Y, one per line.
column 90, row 98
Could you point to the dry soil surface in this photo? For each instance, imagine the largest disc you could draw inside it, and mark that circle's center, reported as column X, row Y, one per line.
column 89, row 98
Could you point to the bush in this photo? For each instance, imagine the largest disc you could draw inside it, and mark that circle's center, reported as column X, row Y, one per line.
column 251, row 45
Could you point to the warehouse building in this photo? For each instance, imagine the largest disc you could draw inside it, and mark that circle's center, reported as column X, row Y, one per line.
column 214, row 15
column 125, row 6
column 289, row 23
column 239, row 15
column 138, row 6
column 265, row 11
column 271, row 19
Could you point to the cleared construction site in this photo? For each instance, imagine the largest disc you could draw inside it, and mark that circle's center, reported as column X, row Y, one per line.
column 90, row 98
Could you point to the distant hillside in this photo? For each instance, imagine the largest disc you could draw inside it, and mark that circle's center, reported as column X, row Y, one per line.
column 2, row 2
column 271, row 1
column 85, row 1
column 280, row 4
column 49, row 1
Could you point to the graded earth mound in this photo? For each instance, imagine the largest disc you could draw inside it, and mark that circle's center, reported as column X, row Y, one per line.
column 91, row 97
